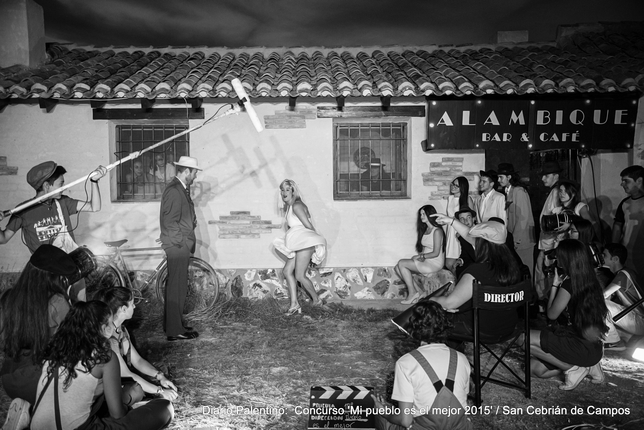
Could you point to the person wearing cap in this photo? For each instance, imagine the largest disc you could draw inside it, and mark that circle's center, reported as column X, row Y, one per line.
column 375, row 179
column 629, row 218
column 519, row 209
column 494, row 266
column 492, row 203
column 50, row 221
column 178, row 221
column 30, row 313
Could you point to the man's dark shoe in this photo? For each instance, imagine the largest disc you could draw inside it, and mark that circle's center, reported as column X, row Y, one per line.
column 188, row 328
column 185, row 336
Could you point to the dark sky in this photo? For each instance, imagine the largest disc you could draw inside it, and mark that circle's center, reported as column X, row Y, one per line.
column 330, row 23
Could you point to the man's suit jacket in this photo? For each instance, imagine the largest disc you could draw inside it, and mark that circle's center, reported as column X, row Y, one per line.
column 520, row 218
column 177, row 217
column 492, row 206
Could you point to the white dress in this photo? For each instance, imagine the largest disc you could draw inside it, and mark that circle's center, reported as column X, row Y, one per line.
column 430, row 265
column 452, row 245
column 299, row 237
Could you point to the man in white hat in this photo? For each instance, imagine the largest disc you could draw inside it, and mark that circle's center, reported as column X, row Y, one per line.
column 178, row 222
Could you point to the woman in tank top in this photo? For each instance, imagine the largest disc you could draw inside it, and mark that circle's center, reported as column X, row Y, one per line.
column 81, row 371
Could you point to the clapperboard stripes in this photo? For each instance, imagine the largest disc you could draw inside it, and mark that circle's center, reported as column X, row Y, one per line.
column 343, row 392
column 341, row 406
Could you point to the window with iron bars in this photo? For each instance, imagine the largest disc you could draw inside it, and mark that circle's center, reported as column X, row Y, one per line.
column 370, row 160
column 144, row 178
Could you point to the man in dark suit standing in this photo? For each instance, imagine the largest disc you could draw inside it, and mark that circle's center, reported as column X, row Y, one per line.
column 178, row 222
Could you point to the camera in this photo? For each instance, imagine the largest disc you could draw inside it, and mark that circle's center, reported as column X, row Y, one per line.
column 550, row 223
column 549, row 270
column 597, row 257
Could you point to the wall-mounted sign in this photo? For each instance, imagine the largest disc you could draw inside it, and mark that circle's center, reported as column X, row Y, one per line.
column 533, row 124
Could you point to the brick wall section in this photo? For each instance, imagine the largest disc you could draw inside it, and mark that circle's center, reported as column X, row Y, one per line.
column 442, row 173
column 242, row 225
column 288, row 118
column 7, row 170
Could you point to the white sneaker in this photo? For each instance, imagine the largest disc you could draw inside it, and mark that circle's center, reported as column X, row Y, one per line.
column 574, row 376
column 18, row 415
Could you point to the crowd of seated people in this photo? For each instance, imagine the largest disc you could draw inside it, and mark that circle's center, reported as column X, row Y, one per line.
column 48, row 342
column 587, row 283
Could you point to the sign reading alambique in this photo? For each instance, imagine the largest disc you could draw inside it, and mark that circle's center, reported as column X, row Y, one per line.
column 537, row 124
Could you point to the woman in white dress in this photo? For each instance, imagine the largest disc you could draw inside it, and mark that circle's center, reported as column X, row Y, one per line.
column 430, row 258
column 301, row 245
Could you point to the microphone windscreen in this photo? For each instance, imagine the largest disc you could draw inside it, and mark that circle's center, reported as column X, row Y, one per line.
column 241, row 93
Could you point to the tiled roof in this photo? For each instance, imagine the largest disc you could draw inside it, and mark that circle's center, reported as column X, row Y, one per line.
column 586, row 58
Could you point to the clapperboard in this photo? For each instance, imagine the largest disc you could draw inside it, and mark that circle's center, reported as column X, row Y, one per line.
column 342, row 406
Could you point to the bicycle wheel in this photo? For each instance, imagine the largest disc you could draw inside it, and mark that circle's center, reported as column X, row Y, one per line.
column 203, row 286
column 104, row 277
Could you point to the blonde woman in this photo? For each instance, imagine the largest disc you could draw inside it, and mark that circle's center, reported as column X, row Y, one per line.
column 301, row 245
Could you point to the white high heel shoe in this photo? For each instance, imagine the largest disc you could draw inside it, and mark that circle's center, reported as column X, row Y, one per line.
column 294, row 310
column 411, row 300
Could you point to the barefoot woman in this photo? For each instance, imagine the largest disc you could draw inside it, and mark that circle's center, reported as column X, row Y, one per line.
column 430, row 258
column 300, row 246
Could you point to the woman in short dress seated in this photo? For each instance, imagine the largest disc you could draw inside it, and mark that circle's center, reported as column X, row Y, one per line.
column 431, row 255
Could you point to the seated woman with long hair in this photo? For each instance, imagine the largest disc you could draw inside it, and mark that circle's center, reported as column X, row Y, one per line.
column 30, row 313
column 81, row 371
column 495, row 266
column 575, row 348
column 121, row 303
column 430, row 258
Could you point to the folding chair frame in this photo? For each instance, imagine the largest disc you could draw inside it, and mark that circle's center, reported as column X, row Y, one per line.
column 478, row 303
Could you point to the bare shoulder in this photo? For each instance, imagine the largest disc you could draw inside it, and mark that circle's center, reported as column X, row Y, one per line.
column 300, row 206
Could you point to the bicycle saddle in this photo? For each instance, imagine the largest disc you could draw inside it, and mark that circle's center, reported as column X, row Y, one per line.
column 116, row 243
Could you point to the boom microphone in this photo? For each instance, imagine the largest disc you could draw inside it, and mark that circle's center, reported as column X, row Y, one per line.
column 245, row 100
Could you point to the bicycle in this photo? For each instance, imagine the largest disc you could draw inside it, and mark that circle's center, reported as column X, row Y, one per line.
column 203, row 281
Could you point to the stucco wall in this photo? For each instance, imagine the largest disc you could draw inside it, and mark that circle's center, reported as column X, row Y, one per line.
column 242, row 171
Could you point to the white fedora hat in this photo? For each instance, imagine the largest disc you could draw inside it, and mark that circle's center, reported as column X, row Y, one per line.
column 190, row 162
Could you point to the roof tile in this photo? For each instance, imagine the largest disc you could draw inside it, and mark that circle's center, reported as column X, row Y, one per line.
column 600, row 57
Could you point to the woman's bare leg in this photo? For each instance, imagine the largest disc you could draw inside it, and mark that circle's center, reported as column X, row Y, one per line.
column 289, row 274
column 406, row 268
column 537, row 352
column 302, row 259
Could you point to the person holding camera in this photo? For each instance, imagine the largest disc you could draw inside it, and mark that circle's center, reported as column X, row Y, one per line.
column 574, row 348
column 550, row 178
